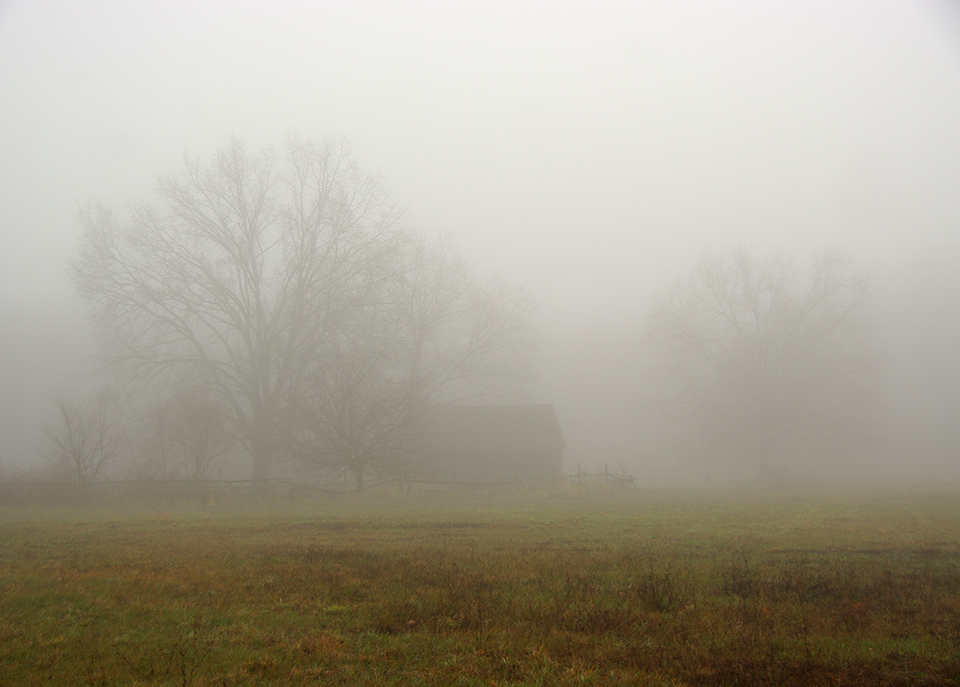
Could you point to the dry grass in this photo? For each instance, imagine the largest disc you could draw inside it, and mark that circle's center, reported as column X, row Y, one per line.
column 838, row 589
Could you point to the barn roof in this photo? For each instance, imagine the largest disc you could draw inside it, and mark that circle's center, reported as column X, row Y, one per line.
column 493, row 428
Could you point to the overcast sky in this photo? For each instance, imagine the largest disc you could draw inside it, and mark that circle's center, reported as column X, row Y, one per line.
column 589, row 150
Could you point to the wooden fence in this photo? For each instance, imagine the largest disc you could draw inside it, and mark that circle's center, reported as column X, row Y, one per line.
column 605, row 481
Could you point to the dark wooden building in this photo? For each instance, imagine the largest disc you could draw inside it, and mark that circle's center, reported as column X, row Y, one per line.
column 492, row 443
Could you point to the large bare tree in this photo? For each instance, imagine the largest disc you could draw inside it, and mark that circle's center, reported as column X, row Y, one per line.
column 754, row 360
column 240, row 277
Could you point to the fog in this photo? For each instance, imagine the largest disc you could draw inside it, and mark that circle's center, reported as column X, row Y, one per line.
column 585, row 152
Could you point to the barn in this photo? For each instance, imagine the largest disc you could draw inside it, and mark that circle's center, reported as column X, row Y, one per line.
column 492, row 443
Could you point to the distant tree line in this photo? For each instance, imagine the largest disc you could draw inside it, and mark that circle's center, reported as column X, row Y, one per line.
column 275, row 306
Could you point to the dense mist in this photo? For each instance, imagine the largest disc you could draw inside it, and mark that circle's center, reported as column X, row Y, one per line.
column 548, row 173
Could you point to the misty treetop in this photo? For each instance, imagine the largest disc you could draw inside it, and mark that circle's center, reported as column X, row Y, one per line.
column 754, row 360
column 287, row 290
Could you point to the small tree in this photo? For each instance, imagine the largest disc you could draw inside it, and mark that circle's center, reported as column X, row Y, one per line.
column 199, row 433
column 86, row 436
column 185, row 435
column 752, row 361
column 360, row 418
column 437, row 334
column 465, row 339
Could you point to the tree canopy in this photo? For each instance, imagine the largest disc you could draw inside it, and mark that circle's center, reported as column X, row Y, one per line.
column 754, row 361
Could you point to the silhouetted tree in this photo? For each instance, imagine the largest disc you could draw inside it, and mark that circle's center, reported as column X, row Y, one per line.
column 753, row 361
column 86, row 435
column 439, row 334
column 467, row 339
column 241, row 277
column 201, row 434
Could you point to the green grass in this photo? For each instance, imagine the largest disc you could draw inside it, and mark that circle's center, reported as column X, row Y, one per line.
column 784, row 589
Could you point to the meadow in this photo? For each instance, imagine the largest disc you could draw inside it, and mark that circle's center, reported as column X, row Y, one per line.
column 782, row 588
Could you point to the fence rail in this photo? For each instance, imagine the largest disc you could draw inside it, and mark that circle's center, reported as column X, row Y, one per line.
column 606, row 480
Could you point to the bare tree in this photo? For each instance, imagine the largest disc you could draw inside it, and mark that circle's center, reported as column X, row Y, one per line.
column 241, row 277
column 86, row 436
column 200, row 434
column 152, row 440
column 752, row 361
column 361, row 417
column 437, row 334
column 469, row 340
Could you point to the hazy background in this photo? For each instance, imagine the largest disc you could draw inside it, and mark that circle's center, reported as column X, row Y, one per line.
column 586, row 150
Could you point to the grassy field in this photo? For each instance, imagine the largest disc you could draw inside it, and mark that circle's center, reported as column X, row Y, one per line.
column 777, row 589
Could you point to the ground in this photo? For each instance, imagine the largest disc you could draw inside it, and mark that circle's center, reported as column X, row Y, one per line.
column 785, row 588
